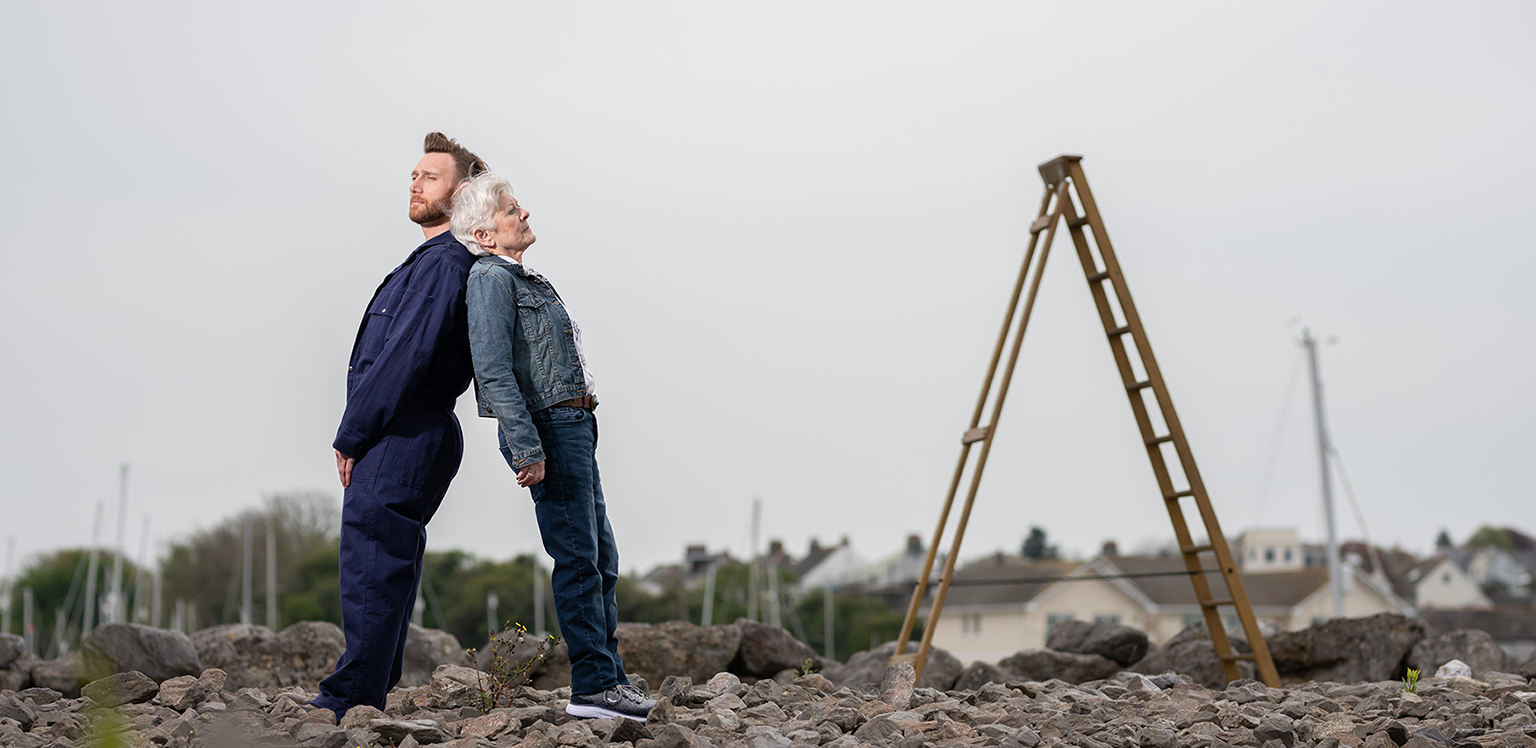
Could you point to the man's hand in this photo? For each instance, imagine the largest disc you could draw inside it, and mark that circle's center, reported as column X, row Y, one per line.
column 531, row 474
column 344, row 466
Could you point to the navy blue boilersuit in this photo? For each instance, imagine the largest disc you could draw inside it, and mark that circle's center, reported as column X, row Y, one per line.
column 409, row 363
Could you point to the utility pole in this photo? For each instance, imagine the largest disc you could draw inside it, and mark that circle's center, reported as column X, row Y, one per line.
column 773, row 594
column 827, row 600
column 709, row 596
column 1335, row 575
column 89, row 621
column 245, row 572
column 115, row 596
column 757, row 515
column 154, row 610
column 5, row 587
column 28, row 627
column 140, row 578
column 538, row 599
column 492, row 602
column 271, row 574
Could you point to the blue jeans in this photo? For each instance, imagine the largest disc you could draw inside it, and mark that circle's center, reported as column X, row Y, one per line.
column 396, row 488
column 573, row 521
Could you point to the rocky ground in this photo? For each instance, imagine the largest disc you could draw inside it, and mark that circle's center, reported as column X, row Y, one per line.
column 736, row 685
column 1125, row 711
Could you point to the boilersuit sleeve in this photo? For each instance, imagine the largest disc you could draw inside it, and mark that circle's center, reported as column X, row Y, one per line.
column 428, row 309
column 492, row 333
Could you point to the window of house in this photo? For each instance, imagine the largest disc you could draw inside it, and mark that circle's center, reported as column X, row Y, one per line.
column 1269, row 555
column 1055, row 619
column 1106, row 618
column 970, row 624
column 1287, row 555
column 1253, row 554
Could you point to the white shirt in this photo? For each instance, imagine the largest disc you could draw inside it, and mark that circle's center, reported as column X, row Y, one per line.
column 586, row 373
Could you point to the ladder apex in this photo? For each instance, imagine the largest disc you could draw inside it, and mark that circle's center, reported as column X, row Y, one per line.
column 1055, row 170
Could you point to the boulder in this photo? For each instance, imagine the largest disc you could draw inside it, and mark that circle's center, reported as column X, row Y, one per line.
column 426, row 650
column 1474, row 647
column 1191, row 652
column 65, row 674
column 868, row 667
column 253, row 657
column 1122, row 644
column 977, row 675
column 1348, row 650
column 1045, row 664
column 11, row 647
column 678, row 648
column 1528, row 670
column 766, row 650
column 121, row 688
column 160, row 654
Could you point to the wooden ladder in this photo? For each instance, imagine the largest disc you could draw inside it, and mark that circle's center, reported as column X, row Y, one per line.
column 1066, row 188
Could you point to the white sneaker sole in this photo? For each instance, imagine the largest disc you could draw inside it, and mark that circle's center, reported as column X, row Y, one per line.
column 592, row 711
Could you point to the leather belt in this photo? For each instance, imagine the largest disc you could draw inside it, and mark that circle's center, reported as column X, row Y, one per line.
column 587, row 402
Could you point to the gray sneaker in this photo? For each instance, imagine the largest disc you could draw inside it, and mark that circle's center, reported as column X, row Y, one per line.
column 620, row 701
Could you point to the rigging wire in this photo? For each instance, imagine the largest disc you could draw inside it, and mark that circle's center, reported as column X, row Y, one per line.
column 1276, row 440
column 1349, row 491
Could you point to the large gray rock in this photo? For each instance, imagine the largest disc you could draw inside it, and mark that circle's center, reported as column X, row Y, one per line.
column 425, row 650
column 868, row 667
column 132, row 687
column 1472, row 646
column 160, row 654
column 301, row 655
column 655, row 651
column 1191, row 652
column 1348, row 650
column 11, row 647
column 1045, row 664
column 766, row 650
column 979, row 674
column 65, row 674
column 1122, row 644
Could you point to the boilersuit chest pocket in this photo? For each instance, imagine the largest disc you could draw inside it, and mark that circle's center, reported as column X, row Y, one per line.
column 381, row 321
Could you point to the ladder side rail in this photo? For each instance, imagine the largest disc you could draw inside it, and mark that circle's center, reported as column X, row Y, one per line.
column 986, row 443
column 920, row 589
column 1165, row 484
column 1217, row 539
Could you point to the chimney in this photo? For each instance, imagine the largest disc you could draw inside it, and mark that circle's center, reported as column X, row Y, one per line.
column 815, row 545
column 914, row 545
column 1110, row 548
column 775, row 548
column 844, row 542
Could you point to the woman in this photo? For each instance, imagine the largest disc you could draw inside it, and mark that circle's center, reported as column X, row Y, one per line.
column 532, row 378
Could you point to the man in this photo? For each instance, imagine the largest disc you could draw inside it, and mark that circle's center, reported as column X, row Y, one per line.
column 399, row 443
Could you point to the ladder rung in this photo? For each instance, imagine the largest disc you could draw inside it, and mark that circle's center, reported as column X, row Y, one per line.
column 1079, row 221
column 1237, row 657
column 974, row 435
column 1041, row 223
column 1216, row 603
column 1176, row 495
column 1195, row 549
column 1119, row 331
column 1160, row 440
column 1096, row 277
column 1138, row 386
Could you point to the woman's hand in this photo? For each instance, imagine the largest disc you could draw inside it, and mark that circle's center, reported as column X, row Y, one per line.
column 531, row 474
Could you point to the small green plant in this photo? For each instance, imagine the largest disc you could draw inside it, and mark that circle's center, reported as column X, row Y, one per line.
column 1411, row 681
column 507, row 672
column 806, row 668
column 105, row 728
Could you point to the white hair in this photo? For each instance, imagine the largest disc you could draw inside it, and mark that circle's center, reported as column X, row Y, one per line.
column 475, row 206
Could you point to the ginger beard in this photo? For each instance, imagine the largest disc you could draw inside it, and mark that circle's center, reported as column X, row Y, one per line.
column 427, row 212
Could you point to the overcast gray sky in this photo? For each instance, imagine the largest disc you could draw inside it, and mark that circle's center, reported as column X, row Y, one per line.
column 789, row 231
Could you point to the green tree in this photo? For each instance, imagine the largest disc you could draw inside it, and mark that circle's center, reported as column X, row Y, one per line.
column 858, row 623
column 205, row 568
column 1035, row 545
column 1489, row 536
column 58, row 584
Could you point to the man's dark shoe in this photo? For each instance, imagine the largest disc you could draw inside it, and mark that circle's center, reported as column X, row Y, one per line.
column 620, row 701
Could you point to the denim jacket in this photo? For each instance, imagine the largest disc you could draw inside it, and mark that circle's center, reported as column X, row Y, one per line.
column 524, row 351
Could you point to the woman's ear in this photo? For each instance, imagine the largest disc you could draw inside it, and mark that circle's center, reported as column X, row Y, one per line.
column 485, row 238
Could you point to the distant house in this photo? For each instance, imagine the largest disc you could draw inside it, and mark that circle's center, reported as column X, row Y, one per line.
column 1003, row 604
column 834, row 566
column 1440, row 583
